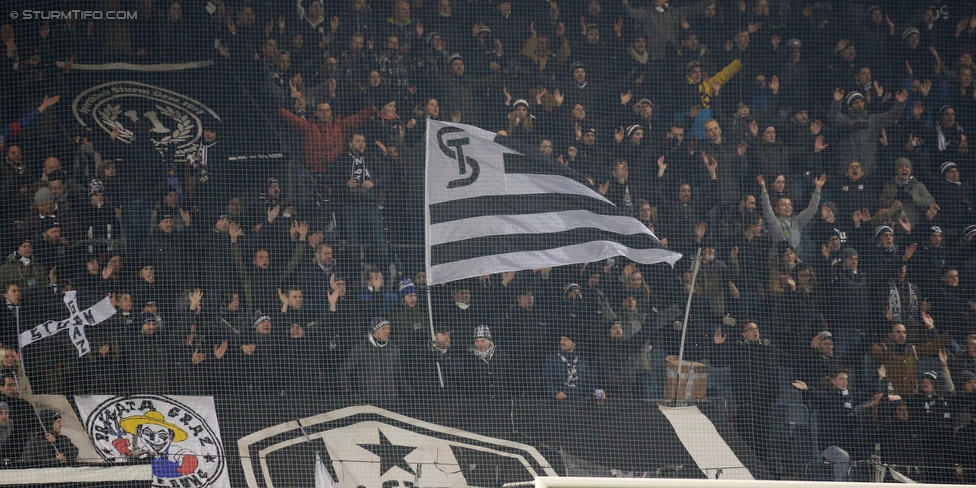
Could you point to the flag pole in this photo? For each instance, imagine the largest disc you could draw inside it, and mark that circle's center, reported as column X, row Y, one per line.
column 695, row 266
column 433, row 337
column 23, row 368
column 430, row 307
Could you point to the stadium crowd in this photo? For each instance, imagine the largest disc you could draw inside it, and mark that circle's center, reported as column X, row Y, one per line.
column 813, row 154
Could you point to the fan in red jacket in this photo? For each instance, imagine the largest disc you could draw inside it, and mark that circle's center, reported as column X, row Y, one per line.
column 325, row 136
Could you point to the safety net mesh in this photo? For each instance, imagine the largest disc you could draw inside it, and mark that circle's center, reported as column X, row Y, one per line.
column 475, row 242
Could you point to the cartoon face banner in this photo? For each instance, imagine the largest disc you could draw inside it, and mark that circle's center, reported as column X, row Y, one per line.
column 178, row 433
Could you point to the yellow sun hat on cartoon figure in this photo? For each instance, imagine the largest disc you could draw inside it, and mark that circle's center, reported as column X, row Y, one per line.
column 129, row 424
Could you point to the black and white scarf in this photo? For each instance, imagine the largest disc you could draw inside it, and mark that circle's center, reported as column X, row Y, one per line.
column 375, row 343
column 485, row 355
column 846, row 395
column 360, row 172
column 641, row 58
column 942, row 141
column 202, row 152
column 572, row 375
column 894, row 300
column 933, row 401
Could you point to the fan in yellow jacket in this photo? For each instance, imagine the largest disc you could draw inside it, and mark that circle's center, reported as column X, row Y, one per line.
column 708, row 88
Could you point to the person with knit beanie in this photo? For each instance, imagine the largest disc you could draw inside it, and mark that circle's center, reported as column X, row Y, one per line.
column 50, row 447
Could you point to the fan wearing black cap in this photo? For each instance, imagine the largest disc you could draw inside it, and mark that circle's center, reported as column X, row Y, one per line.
column 584, row 154
column 579, row 89
column 98, row 218
column 799, row 130
column 433, row 60
column 166, row 251
column 525, row 330
column 915, row 56
column 815, row 364
column 949, row 139
column 830, row 230
column 51, row 247
column 954, row 196
column 458, row 91
column 577, row 309
column 932, row 409
column 521, row 123
column 148, row 355
column 841, row 435
column 594, row 52
column 863, row 128
column 643, row 116
column 917, row 202
column 887, row 254
column 50, row 447
column 468, row 304
column 387, row 127
column 874, row 32
column 633, row 144
column 373, row 370
column 25, row 270
column 486, row 370
column 932, row 256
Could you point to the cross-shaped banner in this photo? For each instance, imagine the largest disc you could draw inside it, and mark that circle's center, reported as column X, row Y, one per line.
column 75, row 324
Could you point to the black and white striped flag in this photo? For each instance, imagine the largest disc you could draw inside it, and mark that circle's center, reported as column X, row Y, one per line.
column 493, row 206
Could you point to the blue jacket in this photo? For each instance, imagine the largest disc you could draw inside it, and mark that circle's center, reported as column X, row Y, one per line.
column 555, row 375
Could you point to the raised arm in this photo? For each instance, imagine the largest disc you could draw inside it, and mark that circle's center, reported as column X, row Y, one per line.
column 296, row 256
column 292, row 118
column 891, row 116
column 808, row 213
column 767, row 208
